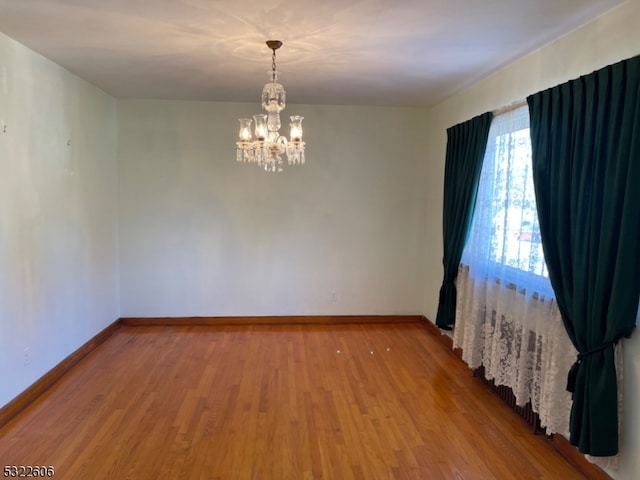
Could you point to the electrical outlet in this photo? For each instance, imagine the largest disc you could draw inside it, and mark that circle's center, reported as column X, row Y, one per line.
column 26, row 356
column 334, row 296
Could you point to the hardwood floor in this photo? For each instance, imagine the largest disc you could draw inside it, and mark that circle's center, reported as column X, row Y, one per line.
column 276, row 402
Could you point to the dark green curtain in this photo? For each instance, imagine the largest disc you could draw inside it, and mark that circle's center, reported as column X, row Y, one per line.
column 585, row 137
column 466, row 144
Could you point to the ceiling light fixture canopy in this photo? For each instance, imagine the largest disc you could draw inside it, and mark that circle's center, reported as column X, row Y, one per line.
column 267, row 149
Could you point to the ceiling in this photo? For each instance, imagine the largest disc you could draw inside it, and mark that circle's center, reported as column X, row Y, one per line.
column 373, row 52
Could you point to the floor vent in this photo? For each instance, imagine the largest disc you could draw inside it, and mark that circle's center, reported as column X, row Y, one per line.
column 506, row 394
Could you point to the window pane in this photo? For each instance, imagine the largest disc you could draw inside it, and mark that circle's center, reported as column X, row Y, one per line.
column 504, row 242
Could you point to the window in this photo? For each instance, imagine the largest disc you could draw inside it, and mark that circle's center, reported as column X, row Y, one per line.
column 504, row 243
column 507, row 319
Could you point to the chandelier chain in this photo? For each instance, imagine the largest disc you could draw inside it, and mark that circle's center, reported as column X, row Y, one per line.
column 273, row 60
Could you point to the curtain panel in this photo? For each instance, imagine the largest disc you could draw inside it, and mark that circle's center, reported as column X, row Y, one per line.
column 520, row 341
column 466, row 144
column 585, row 138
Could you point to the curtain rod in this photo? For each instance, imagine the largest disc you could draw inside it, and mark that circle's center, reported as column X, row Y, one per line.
column 508, row 108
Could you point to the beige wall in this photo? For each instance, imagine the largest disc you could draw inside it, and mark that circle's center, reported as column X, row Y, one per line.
column 612, row 37
column 203, row 235
column 58, row 207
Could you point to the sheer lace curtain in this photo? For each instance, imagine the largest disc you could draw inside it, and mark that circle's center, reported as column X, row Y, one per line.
column 506, row 316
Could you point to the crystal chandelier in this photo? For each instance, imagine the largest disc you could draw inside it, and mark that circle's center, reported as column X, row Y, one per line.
column 269, row 146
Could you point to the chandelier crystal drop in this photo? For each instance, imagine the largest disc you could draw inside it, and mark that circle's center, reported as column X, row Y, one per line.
column 268, row 147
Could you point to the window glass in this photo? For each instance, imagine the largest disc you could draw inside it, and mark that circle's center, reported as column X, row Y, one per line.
column 504, row 243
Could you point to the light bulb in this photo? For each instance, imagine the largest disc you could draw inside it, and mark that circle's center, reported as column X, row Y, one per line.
column 245, row 129
column 261, row 126
column 296, row 128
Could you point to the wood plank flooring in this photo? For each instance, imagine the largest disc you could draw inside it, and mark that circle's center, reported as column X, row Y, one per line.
column 276, row 402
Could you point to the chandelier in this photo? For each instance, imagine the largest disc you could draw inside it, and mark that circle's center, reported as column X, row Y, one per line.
column 267, row 149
